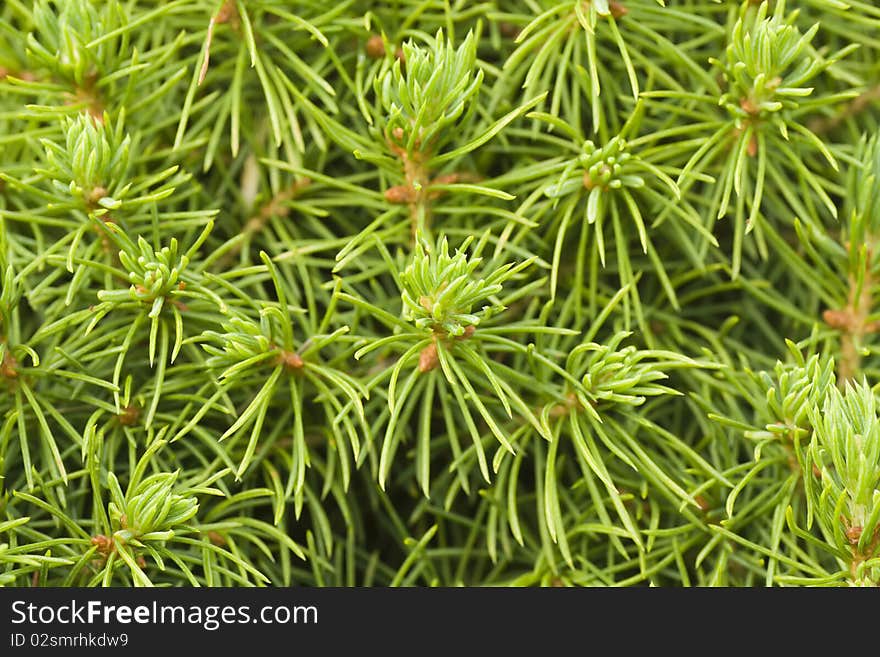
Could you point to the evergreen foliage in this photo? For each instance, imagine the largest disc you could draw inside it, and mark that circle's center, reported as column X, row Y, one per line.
column 437, row 292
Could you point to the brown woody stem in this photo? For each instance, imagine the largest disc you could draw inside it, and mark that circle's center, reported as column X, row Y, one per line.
column 853, row 324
